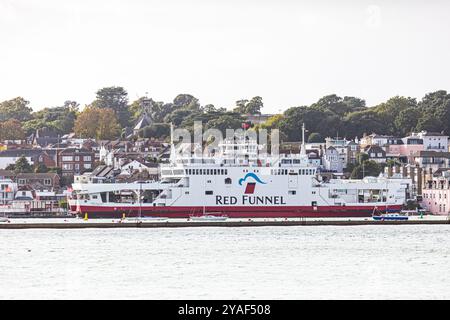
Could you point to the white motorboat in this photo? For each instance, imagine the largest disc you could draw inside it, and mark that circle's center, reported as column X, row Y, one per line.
column 208, row 217
column 144, row 219
column 211, row 216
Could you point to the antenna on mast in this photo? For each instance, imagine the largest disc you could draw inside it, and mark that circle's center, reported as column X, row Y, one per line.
column 303, row 150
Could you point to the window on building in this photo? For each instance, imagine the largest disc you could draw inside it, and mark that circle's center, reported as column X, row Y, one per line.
column 67, row 158
column 87, row 158
column 47, row 182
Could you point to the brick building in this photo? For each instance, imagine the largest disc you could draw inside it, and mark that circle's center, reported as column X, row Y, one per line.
column 74, row 161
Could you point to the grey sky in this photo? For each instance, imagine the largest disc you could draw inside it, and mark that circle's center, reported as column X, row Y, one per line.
column 289, row 52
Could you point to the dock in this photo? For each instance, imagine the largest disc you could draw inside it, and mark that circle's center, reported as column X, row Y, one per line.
column 91, row 224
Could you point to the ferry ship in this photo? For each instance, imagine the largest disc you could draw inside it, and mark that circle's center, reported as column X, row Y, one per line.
column 238, row 183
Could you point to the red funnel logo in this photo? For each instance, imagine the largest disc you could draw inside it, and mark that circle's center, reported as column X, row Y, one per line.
column 250, row 188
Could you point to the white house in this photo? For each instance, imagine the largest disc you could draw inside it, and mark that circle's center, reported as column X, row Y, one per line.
column 332, row 160
column 433, row 141
column 130, row 167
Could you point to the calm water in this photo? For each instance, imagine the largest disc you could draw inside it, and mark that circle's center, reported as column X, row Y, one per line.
column 381, row 262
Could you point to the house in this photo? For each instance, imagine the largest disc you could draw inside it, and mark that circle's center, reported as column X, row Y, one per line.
column 376, row 153
column 406, row 147
column 332, row 160
column 44, row 137
column 132, row 166
column 39, row 181
column 433, row 160
column 74, row 161
column 101, row 174
column 436, row 193
column 36, row 181
column 33, row 156
column 374, row 139
column 353, row 150
column 433, row 141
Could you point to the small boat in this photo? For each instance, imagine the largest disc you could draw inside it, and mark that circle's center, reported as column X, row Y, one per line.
column 4, row 218
column 144, row 219
column 211, row 216
column 208, row 217
column 390, row 217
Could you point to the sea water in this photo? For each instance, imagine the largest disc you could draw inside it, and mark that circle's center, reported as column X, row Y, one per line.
column 304, row 262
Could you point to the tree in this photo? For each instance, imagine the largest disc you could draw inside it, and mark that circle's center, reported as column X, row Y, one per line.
column 186, row 101
column 97, row 123
column 115, row 98
column 22, row 165
column 253, row 106
column 11, row 130
column 40, row 168
column 59, row 119
column 157, row 130
column 315, row 137
column 366, row 169
column 361, row 157
column 16, row 108
column 224, row 122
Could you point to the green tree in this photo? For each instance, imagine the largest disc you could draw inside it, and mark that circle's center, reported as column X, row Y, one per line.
column 366, row 169
column 16, row 108
column 59, row 119
column 315, row 137
column 40, row 168
column 22, row 166
column 116, row 99
column 253, row 106
column 11, row 130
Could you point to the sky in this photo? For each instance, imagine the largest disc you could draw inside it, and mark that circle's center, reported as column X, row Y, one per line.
column 290, row 52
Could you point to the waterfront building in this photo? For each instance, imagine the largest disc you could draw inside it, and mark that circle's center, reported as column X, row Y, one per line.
column 436, row 193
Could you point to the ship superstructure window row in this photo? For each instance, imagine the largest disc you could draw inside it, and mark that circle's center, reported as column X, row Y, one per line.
column 207, row 172
column 305, row 172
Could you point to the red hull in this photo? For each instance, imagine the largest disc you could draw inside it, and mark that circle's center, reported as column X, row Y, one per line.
column 232, row 211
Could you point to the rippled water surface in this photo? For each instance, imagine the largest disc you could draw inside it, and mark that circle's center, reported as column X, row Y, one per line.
column 381, row 262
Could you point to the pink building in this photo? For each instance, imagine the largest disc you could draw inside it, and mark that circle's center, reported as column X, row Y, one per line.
column 406, row 150
column 436, row 194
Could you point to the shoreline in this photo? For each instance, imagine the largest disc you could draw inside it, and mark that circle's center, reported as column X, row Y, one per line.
column 186, row 224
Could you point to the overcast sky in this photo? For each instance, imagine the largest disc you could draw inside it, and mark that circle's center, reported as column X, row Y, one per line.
column 289, row 52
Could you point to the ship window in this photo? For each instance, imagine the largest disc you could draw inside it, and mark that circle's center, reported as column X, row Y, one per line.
column 209, row 181
column 314, row 203
column 292, row 192
column 209, row 192
column 228, row 181
column 226, row 171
